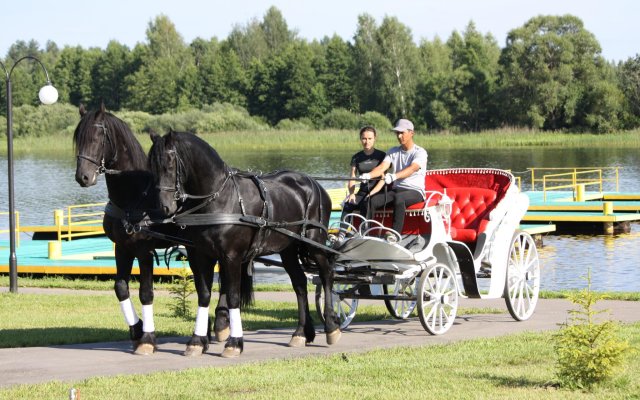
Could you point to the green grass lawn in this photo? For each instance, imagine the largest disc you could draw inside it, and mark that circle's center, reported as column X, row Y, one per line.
column 519, row 366
column 53, row 319
column 513, row 367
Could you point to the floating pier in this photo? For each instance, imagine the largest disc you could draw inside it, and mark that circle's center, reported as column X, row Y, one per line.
column 88, row 256
column 582, row 212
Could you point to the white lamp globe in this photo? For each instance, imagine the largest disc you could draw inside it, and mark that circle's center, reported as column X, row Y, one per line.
column 48, row 94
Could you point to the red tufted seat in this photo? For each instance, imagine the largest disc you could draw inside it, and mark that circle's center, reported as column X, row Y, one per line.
column 470, row 212
column 474, row 192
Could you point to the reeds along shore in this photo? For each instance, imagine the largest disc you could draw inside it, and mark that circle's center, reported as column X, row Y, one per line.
column 323, row 140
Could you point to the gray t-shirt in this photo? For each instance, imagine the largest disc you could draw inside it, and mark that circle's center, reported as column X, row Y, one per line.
column 400, row 160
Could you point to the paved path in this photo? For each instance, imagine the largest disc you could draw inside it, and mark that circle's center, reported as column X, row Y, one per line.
column 77, row 362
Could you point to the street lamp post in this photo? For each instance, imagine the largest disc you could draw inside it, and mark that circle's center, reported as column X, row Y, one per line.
column 48, row 95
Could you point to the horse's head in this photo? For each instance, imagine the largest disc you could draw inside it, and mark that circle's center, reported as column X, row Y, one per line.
column 164, row 163
column 93, row 145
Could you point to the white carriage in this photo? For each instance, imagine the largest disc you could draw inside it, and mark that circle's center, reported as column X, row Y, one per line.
column 463, row 241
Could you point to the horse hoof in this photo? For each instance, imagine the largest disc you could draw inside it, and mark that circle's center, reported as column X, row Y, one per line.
column 231, row 352
column 298, row 341
column 223, row 335
column 334, row 337
column 194, row 351
column 145, row 349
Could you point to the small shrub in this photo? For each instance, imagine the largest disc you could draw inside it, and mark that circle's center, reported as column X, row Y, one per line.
column 182, row 288
column 218, row 117
column 587, row 351
column 43, row 120
column 137, row 120
column 339, row 118
column 375, row 119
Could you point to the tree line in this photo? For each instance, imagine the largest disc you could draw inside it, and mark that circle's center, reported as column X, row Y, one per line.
column 550, row 75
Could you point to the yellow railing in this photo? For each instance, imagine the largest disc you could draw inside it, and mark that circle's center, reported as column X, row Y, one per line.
column 571, row 180
column 17, row 227
column 538, row 175
column 77, row 216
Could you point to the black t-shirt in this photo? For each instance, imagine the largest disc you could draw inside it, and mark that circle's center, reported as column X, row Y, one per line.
column 366, row 163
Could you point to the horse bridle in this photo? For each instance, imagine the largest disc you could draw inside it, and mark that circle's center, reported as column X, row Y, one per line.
column 179, row 195
column 102, row 169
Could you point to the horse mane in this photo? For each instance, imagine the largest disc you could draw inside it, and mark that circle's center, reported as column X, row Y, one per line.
column 118, row 132
column 184, row 143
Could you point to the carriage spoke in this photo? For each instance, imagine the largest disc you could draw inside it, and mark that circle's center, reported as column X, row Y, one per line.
column 523, row 277
column 438, row 300
column 444, row 318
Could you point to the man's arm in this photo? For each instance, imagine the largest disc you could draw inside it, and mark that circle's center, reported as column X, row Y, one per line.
column 377, row 171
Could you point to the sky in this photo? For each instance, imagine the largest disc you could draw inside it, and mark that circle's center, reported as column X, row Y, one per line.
column 95, row 23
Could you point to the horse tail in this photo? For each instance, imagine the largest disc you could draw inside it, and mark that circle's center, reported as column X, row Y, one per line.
column 246, row 285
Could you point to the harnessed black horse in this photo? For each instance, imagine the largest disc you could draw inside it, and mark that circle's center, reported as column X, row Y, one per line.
column 105, row 145
column 232, row 217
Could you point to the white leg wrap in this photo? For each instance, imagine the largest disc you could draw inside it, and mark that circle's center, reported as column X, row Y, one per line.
column 130, row 316
column 147, row 319
column 235, row 322
column 202, row 321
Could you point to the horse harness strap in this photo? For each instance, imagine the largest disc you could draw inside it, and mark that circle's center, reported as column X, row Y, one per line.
column 144, row 221
column 263, row 221
column 253, row 221
column 125, row 217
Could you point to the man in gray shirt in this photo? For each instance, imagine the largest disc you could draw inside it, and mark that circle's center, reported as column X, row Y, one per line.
column 409, row 165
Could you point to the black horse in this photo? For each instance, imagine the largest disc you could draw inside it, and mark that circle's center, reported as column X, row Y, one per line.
column 232, row 217
column 105, row 145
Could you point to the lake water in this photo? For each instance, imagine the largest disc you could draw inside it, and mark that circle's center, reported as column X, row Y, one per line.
column 45, row 184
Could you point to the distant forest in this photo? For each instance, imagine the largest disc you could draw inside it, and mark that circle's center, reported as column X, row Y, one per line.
column 550, row 75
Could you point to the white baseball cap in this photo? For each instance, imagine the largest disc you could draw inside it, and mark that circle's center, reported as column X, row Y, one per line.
column 403, row 125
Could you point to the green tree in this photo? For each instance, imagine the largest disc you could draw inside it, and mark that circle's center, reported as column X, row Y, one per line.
column 276, row 32
column 629, row 82
column 547, row 65
column 220, row 76
column 286, row 86
column 248, row 42
column 73, row 73
column 399, row 68
column 601, row 107
column 366, row 56
column 433, row 82
column 166, row 77
column 258, row 40
column 474, row 60
column 337, row 74
column 305, row 96
column 109, row 73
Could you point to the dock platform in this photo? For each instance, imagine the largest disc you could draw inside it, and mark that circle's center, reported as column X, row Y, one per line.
column 596, row 212
column 91, row 256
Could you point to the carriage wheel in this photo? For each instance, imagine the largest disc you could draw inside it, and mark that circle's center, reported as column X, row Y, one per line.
column 523, row 277
column 437, row 299
column 345, row 309
column 400, row 309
